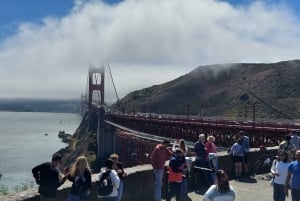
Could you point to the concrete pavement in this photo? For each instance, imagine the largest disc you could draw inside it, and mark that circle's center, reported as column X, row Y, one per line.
column 254, row 189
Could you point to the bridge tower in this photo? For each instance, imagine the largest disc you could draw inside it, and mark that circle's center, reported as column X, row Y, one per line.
column 105, row 140
column 96, row 86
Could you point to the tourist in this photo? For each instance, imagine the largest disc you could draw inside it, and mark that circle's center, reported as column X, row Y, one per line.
column 201, row 164
column 175, row 175
column 279, row 171
column 211, row 150
column 159, row 156
column 294, row 173
column 115, row 180
column 81, row 176
column 245, row 150
column 288, row 147
column 47, row 177
column 118, row 167
column 237, row 157
column 187, row 167
column 221, row 190
column 295, row 139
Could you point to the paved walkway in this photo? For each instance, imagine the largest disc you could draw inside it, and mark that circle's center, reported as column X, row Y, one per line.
column 257, row 189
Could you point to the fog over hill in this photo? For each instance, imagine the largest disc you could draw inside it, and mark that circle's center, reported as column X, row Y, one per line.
column 225, row 90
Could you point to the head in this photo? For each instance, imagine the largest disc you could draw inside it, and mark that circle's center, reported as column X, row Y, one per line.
column 287, row 138
column 79, row 166
column 114, row 157
column 109, row 164
column 297, row 155
column 182, row 145
column 241, row 134
column 210, row 138
column 166, row 143
column 202, row 138
column 282, row 156
column 222, row 181
column 56, row 159
column 178, row 152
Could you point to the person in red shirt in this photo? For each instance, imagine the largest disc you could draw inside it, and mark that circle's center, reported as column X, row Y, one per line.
column 159, row 156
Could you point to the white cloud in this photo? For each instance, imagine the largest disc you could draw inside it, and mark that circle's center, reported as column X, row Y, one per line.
column 146, row 42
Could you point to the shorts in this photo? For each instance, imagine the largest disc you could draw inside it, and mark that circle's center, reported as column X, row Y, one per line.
column 237, row 159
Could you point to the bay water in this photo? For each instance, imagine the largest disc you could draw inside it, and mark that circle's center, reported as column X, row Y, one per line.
column 28, row 139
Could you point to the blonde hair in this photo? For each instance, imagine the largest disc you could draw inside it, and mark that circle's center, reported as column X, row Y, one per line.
column 210, row 137
column 79, row 166
column 182, row 145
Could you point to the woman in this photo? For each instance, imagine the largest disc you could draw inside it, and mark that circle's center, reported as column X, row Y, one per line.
column 109, row 168
column 237, row 157
column 279, row 171
column 211, row 150
column 221, row 190
column 118, row 167
column 80, row 175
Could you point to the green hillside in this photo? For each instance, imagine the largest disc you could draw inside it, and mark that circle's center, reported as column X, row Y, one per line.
column 225, row 90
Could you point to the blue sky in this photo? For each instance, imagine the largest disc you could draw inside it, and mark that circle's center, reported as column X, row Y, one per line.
column 46, row 46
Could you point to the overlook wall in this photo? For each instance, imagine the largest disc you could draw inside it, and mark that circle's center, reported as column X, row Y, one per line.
column 138, row 185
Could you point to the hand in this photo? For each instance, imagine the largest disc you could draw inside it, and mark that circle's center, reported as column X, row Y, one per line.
column 286, row 191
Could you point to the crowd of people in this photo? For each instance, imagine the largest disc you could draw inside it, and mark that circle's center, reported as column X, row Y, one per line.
column 49, row 177
column 207, row 173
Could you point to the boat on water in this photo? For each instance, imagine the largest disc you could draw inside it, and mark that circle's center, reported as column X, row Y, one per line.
column 46, row 134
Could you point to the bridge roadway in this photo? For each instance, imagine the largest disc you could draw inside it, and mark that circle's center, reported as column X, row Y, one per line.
column 260, row 133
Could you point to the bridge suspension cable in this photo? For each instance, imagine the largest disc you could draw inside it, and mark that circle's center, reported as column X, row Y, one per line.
column 113, row 83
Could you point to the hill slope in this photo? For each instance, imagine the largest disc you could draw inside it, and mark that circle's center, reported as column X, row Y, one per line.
column 228, row 90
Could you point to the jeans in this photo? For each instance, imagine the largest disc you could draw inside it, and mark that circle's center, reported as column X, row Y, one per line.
column 174, row 190
column 73, row 197
column 120, row 190
column 109, row 198
column 158, row 174
column 184, row 190
column 47, row 199
column 278, row 192
column 295, row 194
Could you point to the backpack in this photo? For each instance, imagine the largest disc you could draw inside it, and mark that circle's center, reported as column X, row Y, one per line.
column 105, row 186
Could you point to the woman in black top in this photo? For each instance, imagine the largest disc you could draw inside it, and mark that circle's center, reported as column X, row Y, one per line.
column 80, row 175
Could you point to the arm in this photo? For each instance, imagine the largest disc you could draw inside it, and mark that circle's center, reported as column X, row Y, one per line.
column 273, row 168
column 208, row 193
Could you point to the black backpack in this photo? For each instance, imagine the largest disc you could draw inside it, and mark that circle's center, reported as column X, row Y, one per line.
column 105, row 186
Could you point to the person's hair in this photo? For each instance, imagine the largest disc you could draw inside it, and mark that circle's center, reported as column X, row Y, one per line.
column 241, row 133
column 202, row 136
column 182, row 145
column 210, row 137
column 239, row 141
column 109, row 164
column 222, row 182
column 178, row 150
column 56, row 157
column 286, row 156
column 79, row 166
column 114, row 156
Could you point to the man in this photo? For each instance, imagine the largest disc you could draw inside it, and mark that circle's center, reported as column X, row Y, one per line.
column 288, row 147
column 176, row 168
column 159, row 156
column 47, row 176
column 245, row 150
column 294, row 173
column 295, row 139
column 201, row 162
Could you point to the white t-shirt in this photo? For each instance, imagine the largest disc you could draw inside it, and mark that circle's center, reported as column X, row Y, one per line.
column 212, row 194
column 281, row 168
